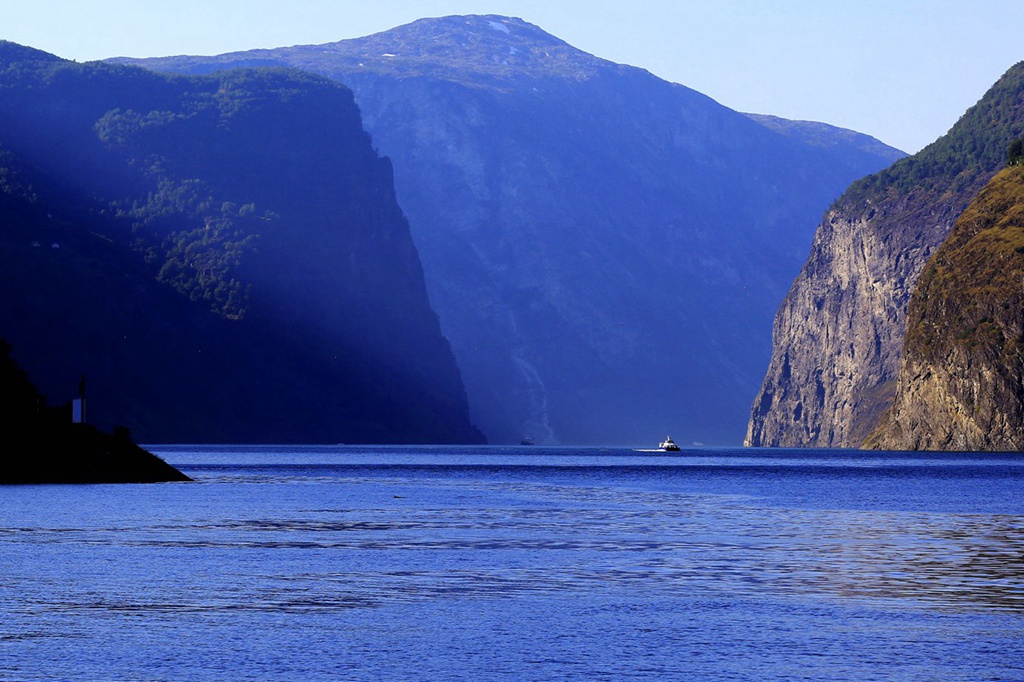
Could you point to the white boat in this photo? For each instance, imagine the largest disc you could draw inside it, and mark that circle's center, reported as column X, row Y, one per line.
column 668, row 445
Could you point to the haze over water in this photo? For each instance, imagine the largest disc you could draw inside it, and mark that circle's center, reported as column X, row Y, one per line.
column 521, row 564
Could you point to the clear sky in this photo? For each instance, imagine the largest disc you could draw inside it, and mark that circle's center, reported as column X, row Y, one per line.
column 900, row 70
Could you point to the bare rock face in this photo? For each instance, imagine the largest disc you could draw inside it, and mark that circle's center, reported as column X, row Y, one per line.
column 838, row 334
column 961, row 384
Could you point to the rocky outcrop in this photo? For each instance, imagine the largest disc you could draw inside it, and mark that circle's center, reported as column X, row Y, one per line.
column 961, row 380
column 605, row 249
column 838, row 335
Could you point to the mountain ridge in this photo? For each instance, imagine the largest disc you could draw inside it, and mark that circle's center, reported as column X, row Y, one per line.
column 590, row 233
column 516, row 48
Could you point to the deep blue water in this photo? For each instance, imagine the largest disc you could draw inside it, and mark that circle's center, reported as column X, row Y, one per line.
column 416, row 563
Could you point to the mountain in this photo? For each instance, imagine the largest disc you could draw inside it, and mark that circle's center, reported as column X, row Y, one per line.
column 605, row 249
column 961, row 380
column 222, row 257
column 838, row 335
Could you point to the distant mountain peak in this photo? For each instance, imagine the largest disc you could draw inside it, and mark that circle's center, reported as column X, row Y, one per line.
column 477, row 49
column 470, row 31
column 489, row 45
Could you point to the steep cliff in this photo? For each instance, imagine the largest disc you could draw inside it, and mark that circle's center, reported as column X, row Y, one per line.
column 605, row 249
column 961, row 379
column 838, row 335
column 222, row 256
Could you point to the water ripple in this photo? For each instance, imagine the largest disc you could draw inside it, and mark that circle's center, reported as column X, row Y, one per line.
column 511, row 573
column 669, row 543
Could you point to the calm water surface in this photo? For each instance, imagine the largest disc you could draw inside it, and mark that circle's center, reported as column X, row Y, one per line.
column 362, row 563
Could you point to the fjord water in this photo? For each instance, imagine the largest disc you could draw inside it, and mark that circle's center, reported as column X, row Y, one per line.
column 433, row 563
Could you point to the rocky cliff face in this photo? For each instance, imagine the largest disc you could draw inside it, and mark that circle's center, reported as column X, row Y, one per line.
column 838, row 335
column 961, row 380
column 605, row 249
column 222, row 256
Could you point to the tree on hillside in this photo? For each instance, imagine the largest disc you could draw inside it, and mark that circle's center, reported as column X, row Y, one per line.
column 1015, row 152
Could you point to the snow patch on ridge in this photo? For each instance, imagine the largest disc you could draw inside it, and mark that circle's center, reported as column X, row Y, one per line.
column 498, row 26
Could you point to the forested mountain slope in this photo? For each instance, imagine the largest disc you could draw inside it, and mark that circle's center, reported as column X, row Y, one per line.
column 221, row 256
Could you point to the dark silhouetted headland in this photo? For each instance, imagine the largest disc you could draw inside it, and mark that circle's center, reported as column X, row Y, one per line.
column 44, row 445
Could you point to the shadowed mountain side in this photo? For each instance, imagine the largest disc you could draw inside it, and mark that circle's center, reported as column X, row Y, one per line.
column 604, row 249
column 839, row 332
column 222, row 256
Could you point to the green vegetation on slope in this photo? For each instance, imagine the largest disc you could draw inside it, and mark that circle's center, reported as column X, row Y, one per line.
column 223, row 255
column 953, row 163
column 970, row 292
column 961, row 384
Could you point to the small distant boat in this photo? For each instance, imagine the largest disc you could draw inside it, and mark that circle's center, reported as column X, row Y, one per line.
column 526, row 441
column 668, row 445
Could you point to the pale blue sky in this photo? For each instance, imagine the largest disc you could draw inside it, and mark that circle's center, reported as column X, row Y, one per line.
column 900, row 70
